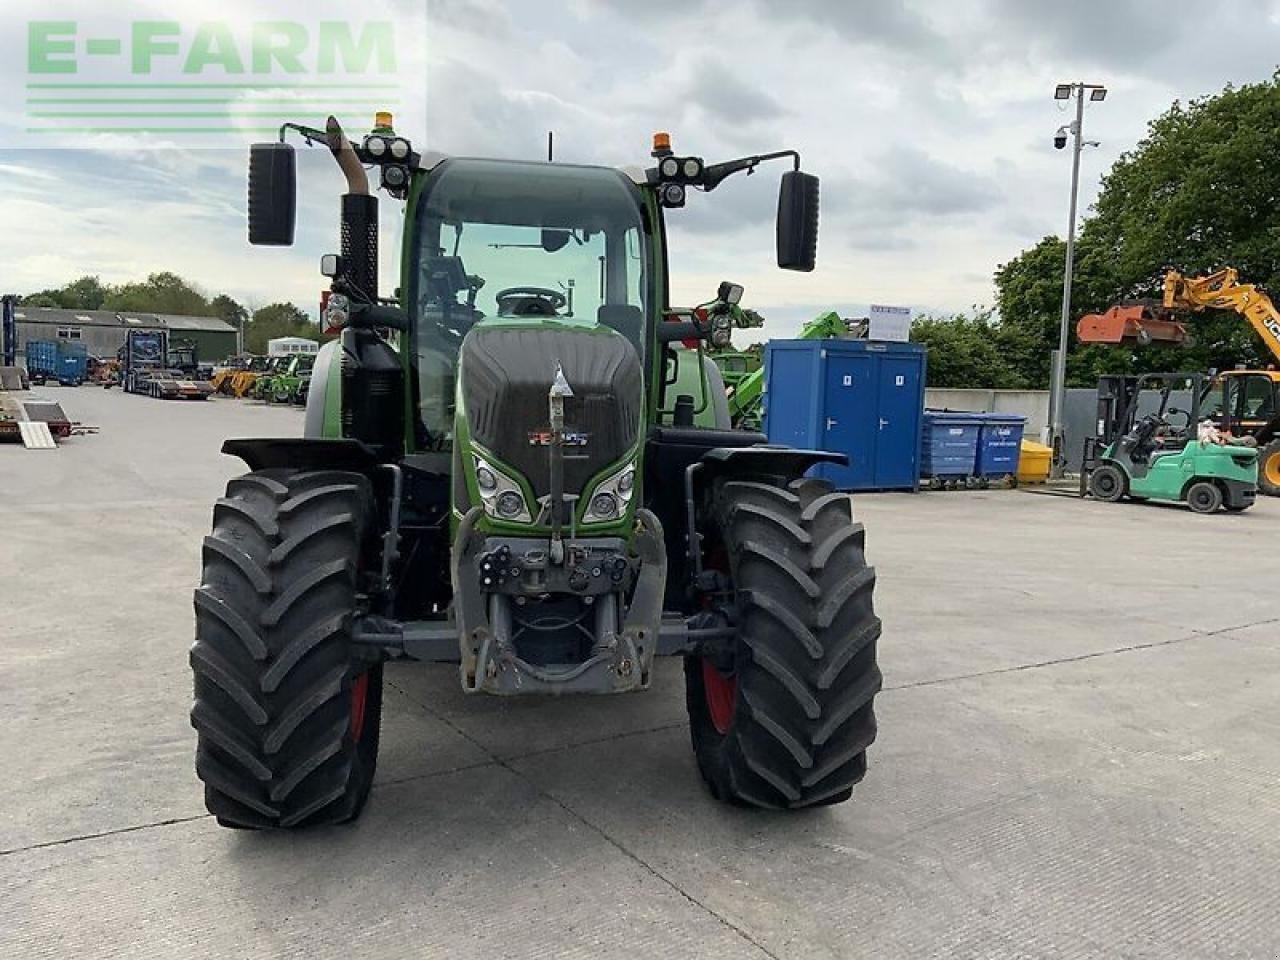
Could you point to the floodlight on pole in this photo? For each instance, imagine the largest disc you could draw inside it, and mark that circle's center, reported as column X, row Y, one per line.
column 1058, row 384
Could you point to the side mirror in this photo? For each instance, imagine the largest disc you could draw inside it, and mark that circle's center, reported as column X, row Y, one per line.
column 797, row 221
column 730, row 293
column 272, row 194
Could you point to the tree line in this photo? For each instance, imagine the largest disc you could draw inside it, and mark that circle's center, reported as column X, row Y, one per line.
column 169, row 293
column 1200, row 192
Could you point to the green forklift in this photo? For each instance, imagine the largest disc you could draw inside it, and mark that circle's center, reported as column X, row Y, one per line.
column 1147, row 447
column 501, row 476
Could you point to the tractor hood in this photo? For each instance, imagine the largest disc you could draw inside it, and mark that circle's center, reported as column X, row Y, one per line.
column 505, row 374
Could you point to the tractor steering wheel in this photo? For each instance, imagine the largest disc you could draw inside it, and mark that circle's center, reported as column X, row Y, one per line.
column 530, row 302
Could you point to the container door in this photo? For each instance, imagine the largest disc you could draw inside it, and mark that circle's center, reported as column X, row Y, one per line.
column 849, row 419
column 898, row 424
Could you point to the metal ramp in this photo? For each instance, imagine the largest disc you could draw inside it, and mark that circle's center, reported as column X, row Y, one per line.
column 36, row 435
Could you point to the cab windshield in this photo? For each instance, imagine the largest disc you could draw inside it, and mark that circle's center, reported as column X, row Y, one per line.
column 520, row 241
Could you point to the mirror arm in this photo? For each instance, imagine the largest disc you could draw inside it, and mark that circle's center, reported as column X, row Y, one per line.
column 310, row 134
column 713, row 175
column 670, row 332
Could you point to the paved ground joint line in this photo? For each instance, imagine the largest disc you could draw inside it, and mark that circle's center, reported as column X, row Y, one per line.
column 1017, row 668
column 134, row 828
column 600, row 831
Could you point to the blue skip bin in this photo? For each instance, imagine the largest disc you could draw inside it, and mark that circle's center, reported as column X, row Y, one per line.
column 999, row 445
column 950, row 445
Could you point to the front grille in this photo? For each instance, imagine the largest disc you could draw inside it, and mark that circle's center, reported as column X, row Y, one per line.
column 506, row 375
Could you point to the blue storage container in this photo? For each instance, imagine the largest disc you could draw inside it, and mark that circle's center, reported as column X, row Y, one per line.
column 856, row 397
column 73, row 362
column 999, row 444
column 950, row 444
column 42, row 360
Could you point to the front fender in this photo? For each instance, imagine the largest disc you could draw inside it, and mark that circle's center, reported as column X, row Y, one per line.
column 324, row 397
column 303, row 453
column 765, row 459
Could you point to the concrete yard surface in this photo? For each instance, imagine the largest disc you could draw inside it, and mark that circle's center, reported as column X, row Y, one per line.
column 1079, row 751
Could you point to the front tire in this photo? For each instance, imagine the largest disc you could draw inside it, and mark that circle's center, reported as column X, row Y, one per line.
column 1107, row 483
column 784, row 721
column 288, row 718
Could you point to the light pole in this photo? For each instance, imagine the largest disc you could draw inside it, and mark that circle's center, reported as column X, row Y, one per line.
column 1058, row 386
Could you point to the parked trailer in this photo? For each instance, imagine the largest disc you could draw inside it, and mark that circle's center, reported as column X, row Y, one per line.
column 143, row 369
column 34, row 421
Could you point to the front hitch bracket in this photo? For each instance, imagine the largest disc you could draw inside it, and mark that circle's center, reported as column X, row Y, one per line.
column 620, row 661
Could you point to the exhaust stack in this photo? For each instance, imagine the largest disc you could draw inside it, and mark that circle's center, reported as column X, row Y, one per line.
column 359, row 215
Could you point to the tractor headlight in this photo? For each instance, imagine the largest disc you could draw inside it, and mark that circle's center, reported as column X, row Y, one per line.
column 612, row 496
column 672, row 195
column 500, row 495
column 604, row 506
column 510, row 505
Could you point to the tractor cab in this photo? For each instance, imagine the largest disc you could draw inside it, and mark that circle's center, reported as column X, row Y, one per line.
column 505, row 252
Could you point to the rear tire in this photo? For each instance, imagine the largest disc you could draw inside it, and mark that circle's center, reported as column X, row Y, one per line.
column 786, row 722
column 1204, row 497
column 1107, row 483
column 287, row 717
column 1269, row 469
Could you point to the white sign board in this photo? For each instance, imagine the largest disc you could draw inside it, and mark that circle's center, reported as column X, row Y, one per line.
column 889, row 323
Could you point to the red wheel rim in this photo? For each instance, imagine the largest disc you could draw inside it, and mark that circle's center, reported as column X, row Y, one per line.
column 359, row 694
column 722, row 696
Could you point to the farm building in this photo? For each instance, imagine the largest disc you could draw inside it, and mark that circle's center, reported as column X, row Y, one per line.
column 103, row 331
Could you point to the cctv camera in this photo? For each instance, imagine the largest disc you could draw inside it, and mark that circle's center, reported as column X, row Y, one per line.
column 1060, row 140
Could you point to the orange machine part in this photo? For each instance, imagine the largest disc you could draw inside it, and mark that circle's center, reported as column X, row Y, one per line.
column 1130, row 324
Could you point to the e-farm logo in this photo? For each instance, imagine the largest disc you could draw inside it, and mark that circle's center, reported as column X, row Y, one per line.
column 207, row 78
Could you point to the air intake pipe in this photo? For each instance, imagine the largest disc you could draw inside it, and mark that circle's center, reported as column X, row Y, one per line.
column 359, row 216
column 373, row 379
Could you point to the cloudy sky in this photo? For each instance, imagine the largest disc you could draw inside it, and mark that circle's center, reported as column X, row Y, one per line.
column 930, row 124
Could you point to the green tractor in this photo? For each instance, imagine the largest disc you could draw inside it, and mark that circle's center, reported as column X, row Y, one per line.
column 287, row 381
column 1147, row 447
column 496, row 472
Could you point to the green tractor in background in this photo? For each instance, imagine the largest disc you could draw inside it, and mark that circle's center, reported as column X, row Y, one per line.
column 1147, row 447
column 499, row 471
column 287, row 381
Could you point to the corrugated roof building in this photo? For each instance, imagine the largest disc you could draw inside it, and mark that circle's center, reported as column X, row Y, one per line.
column 103, row 331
